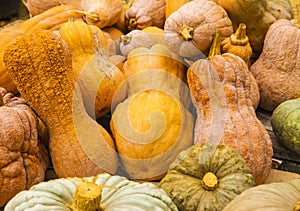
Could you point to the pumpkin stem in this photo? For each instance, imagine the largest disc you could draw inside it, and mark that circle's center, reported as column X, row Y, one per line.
column 297, row 206
column 1, row 100
column 94, row 17
column 186, row 33
column 132, row 24
column 209, row 181
column 240, row 37
column 215, row 48
column 125, row 39
column 87, row 197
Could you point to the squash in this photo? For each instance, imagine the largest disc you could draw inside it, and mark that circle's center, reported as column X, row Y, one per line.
column 156, row 33
column 173, row 5
column 51, row 20
column 41, row 67
column 284, row 120
column 101, row 13
column 36, row 7
column 220, row 88
column 113, row 192
column 189, row 30
column 206, row 177
column 99, row 79
column 23, row 157
column 277, row 70
column 145, row 13
column 121, row 23
column 273, row 196
column 150, row 128
column 258, row 15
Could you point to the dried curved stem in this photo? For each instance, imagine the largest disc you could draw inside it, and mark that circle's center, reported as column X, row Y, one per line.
column 215, row 48
column 186, row 32
column 240, row 37
column 89, row 15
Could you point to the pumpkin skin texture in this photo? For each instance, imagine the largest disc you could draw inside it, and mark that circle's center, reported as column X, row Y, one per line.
column 150, row 128
column 189, row 30
column 277, row 70
column 185, row 185
column 117, row 194
column 220, row 91
column 173, row 5
column 258, row 15
column 284, row 120
column 23, row 158
column 78, row 145
column 278, row 196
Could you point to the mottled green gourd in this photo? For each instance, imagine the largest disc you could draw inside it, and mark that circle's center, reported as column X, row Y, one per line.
column 206, row 177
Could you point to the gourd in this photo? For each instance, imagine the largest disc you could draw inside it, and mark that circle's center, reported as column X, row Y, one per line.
column 121, row 23
column 150, row 128
column 277, row 70
column 206, row 177
column 143, row 13
column 23, row 157
column 274, row 196
column 36, row 7
column 156, row 33
column 258, row 15
column 102, row 13
column 98, row 78
column 51, row 20
column 189, row 30
column 172, row 6
column 220, row 89
column 100, row 192
column 41, row 67
column 285, row 124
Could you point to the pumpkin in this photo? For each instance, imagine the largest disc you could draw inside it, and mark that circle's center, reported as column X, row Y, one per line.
column 277, row 70
column 156, row 68
column 150, row 128
column 258, row 15
column 173, row 5
column 23, row 157
column 284, row 120
column 51, row 20
column 273, row 196
column 145, row 13
column 220, row 89
column 156, row 33
column 206, row 177
column 102, row 13
column 36, row 7
column 99, row 79
column 121, row 23
column 113, row 193
column 189, row 30
column 41, row 67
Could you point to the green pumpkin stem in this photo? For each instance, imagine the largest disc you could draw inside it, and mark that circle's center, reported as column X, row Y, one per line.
column 1, row 101
column 209, row 181
column 240, row 37
column 297, row 206
column 215, row 48
column 186, row 33
column 87, row 197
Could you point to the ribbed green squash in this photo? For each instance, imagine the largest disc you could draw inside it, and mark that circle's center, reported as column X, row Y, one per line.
column 206, row 177
column 279, row 196
column 285, row 122
column 118, row 193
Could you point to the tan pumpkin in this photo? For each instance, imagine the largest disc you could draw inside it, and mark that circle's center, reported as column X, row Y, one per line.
column 277, row 70
column 23, row 158
column 41, row 67
column 145, row 13
column 221, row 94
column 102, row 13
column 51, row 20
column 189, row 30
column 150, row 128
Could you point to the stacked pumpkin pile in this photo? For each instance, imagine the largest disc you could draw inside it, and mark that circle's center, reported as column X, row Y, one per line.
column 180, row 82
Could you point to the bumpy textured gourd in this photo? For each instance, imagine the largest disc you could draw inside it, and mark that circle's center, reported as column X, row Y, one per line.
column 116, row 193
column 273, row 196
column 285, row 121
column 206, row 177
column 150, row 128
column 23, row 157
column 51, row 19
column 190, row 29
column 277, row 70
column 41, row 67
column 258, row 15
column 220, row 88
